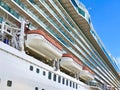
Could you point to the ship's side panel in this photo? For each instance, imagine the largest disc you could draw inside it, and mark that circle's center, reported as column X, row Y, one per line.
column 19, row 74
column 14, row 73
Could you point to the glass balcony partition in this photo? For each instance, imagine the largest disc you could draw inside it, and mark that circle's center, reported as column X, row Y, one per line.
column 10, row 10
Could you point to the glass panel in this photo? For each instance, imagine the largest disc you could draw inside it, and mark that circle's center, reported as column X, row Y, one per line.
column 49, row 75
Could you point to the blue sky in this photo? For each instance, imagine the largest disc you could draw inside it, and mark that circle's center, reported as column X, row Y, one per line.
column 105, row 16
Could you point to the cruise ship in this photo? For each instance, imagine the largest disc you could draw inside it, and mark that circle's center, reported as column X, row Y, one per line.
column 52, row 45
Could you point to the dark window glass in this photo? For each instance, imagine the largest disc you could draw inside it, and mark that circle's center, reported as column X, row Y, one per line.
column 43, row 89
column 76, row 86
column 70, row 83
column 54, row 77
column 73, row 84
column 1, row 19
column 59, row 79
column 44, row 73
column 63, row 81
column 9, row 83
column 67, row 82
column 36, row 88
column 31, row 68
column 49, row 75
column 37, row 70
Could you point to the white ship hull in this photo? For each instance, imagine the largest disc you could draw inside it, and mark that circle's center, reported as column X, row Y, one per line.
column 15, row 73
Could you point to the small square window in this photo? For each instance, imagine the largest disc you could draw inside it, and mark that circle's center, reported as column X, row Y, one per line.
column 9, row 83
column 31, row 68
column 37, row 70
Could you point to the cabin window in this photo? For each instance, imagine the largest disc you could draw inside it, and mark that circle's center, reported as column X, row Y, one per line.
column 59, row 79
column 73, row 84
column 43, row 89
column 44, row 73
column 37, row 70
column 9, row 83
column 36, row 88
column 63, row 81
column 76, row 86
column 49, row 75
column 70, row 83
column 31, row 68
column 54, row 78
column 67, row 82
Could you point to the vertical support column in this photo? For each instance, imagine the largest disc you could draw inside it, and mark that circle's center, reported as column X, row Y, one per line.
column 21, row 43
column 77, row 75
column 56, row 64
column 2, row 29
column 3, row 25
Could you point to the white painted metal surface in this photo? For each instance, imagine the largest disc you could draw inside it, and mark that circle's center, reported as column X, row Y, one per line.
column 15, row 67
column 40, row 45
column 69, row 64
column 86, row 75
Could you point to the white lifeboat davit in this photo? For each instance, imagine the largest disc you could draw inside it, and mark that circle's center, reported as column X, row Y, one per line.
column 71, row 63
column 86, row 74
column 40, row 43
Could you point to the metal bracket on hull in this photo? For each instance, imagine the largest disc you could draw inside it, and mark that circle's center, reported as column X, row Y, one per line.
column 77, row 75
column 56, row 65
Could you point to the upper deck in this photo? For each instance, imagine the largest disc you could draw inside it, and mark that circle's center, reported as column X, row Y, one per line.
column 78, row 13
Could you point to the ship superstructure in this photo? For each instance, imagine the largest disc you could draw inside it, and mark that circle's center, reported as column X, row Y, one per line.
column 56, row 39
